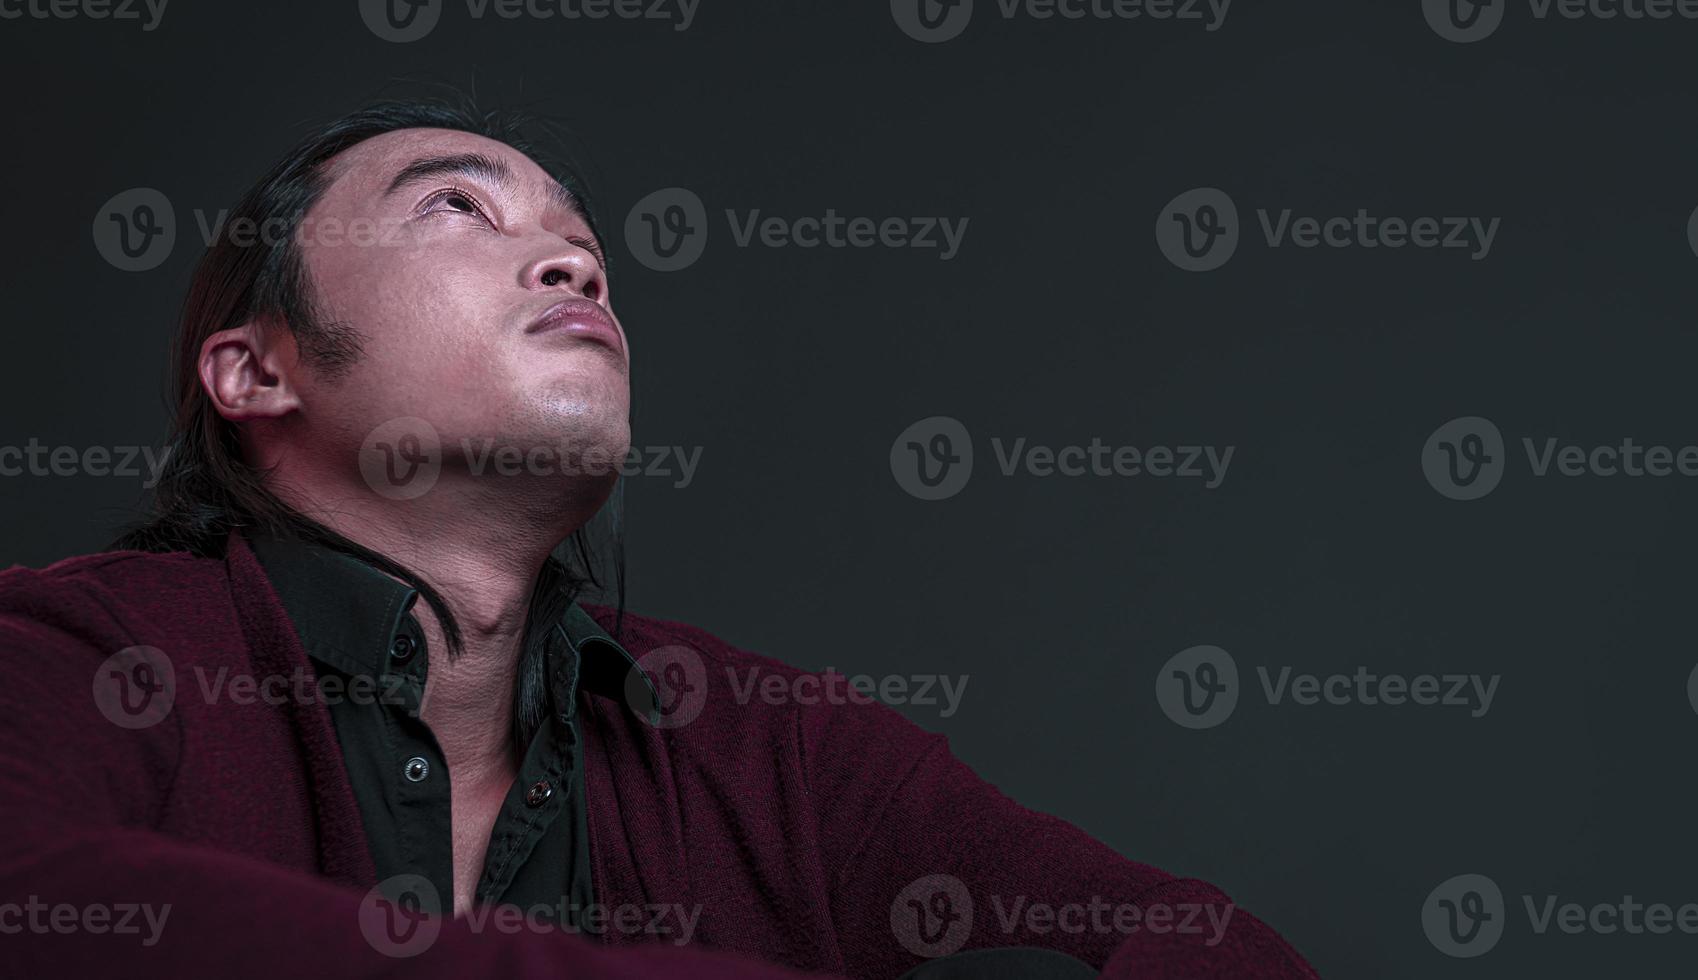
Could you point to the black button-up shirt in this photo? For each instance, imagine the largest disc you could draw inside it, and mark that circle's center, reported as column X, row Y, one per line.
column 355, row 623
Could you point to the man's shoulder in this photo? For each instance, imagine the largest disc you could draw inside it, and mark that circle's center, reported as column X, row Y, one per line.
column 117, row 574
column 645, row 635
column 103, row 598
column 752, row 693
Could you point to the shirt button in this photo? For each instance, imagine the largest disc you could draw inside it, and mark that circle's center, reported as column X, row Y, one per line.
column 417, row 768
column 539, row 794
column 402, row 649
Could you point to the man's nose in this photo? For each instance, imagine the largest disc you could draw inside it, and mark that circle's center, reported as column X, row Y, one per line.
column 571, row 268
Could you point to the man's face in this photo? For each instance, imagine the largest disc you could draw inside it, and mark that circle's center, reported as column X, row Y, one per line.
column 457, row 304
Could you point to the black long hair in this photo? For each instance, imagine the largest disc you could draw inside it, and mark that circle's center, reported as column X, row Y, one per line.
column 207, row 491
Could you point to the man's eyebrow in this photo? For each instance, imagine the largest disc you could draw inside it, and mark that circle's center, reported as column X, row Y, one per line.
column 482, row 167
column 476, row 166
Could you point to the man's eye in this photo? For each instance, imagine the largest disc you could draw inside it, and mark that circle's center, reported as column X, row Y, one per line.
column 454, row 201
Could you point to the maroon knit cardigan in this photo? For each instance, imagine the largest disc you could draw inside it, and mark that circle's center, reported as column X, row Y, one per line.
column 829, row 838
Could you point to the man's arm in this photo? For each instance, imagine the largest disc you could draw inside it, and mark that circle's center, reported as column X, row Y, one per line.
column 79, row 797
column 929, row 859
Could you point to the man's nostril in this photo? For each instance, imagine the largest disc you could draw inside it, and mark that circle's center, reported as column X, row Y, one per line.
column 552, row 277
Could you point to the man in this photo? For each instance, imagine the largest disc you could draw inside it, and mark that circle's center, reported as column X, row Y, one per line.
column 289, row 761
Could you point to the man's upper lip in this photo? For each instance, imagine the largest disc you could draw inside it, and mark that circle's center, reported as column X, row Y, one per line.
column 573, row 309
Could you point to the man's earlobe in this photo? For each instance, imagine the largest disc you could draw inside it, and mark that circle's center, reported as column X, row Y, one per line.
column 247, row 372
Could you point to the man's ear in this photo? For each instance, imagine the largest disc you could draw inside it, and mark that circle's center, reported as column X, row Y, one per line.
column 249, row 371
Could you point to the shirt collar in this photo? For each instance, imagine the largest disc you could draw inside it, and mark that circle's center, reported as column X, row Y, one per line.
column 605, row 667
column 348, row 613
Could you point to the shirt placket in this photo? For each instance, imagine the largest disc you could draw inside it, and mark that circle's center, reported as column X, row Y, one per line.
column 419, row 789
column 538, row 796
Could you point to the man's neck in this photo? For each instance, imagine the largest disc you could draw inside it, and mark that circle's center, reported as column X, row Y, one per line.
column 483, row 557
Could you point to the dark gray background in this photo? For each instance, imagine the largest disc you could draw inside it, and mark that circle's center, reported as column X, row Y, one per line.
column 1060, row 321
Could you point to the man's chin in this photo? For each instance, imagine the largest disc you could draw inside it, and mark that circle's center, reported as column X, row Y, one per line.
column 592, row 494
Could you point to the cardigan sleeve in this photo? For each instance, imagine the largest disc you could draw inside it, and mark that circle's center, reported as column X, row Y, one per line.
column 928, row 859
column 90, row 888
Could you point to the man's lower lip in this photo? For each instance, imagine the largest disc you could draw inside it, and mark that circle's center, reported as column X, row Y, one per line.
column 588, row 329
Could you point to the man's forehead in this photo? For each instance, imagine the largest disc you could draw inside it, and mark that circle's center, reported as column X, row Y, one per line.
column 365, row 171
